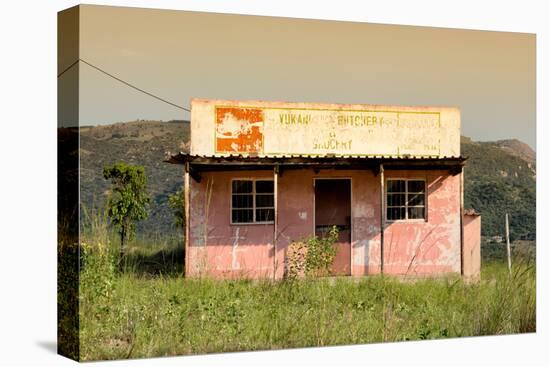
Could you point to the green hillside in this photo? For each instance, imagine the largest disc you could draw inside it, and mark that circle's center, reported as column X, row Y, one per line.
column 136, row 142
column 499, row 176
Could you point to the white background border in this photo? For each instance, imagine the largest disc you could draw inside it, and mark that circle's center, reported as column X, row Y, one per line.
column 28, row 182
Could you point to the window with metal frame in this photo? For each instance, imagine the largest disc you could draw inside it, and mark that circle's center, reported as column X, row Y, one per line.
column 405, row 199
column 252, row 201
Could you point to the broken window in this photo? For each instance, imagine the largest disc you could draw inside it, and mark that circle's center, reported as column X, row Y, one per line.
column 405, row 199
column 252, row 201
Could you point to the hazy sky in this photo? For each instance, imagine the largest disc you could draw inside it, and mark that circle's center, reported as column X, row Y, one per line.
column 179, row 55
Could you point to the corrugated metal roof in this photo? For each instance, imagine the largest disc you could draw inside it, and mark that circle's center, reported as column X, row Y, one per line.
column 311, row 156
column 294, row 158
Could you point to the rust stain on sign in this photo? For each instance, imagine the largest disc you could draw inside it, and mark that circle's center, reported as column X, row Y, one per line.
column 239, row 130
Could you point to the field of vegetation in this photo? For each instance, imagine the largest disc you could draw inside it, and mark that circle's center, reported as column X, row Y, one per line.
column 148, row 309
column 143, row 307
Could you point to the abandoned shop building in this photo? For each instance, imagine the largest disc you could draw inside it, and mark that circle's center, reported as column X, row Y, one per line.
column 262, row 175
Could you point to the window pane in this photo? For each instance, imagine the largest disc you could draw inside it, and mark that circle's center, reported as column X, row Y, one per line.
column 264, row 215
column 395, row 213
column 396, row 186
column 264, row 200
column 242, row 201
column 416, row 213
column 396, row 200
column 415, row 199
column 242, row 215
column 242, row 186
column 264, row 187
column 415, row 186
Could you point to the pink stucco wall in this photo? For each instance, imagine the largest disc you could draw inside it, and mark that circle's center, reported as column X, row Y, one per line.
column 217, row 248
column 431, row 246
column 472, row 246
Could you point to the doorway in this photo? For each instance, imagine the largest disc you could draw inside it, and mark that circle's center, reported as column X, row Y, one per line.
column 333, row 207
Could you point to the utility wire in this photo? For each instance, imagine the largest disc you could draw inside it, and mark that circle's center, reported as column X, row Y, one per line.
column 125, row 83
column 69, row 67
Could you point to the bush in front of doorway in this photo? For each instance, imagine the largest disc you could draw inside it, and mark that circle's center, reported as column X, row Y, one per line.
column 312, row 256
column 296, row 260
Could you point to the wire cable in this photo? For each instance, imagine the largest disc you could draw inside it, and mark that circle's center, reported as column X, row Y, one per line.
column 125, row 83
column 69, row 67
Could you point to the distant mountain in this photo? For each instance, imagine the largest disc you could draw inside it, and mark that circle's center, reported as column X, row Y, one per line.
column 519, row 149
column 499, row 176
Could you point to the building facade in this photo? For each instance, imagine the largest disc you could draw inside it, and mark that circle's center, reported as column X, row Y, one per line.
column 262, row 175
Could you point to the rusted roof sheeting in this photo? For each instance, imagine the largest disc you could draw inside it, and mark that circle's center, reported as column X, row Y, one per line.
column 310, row 156
column 234, row 159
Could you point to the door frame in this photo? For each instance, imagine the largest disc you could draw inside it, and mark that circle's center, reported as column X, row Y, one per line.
column 350, row 179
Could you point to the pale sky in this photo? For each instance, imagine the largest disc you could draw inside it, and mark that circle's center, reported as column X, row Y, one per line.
column 180, row 55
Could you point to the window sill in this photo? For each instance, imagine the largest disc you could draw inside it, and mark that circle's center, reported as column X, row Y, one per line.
column 251, row 223
column 406, row 221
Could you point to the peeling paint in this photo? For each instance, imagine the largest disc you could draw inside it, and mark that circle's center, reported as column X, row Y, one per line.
column 234, row 262
column 364, row 210
column 419, row 248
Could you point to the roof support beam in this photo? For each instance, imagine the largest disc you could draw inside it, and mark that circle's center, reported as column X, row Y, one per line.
column 382, row 216
column 275, row 217
column 195, row 175
column 186, row 210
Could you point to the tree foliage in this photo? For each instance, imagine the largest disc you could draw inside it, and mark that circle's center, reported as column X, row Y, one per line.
column 321, row 253
column 494, row 198
column 496, row 183
column 128, row 201
column 312, row 256
column 176, row 203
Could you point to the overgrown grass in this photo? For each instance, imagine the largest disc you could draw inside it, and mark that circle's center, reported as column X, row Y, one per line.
column 141, row 313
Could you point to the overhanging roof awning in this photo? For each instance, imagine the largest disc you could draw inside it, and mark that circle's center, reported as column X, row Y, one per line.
column 200, row 163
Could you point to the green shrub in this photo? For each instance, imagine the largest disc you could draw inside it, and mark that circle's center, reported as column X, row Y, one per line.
column 67, row 298
column 98, row 270
column 313, row 256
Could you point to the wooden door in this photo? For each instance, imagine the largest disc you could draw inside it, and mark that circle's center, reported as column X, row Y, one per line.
column 333, row 207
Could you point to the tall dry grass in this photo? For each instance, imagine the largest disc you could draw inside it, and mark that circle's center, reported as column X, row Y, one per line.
column 132, row 314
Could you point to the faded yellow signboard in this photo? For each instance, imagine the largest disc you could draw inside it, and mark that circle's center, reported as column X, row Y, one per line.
column 282, row 128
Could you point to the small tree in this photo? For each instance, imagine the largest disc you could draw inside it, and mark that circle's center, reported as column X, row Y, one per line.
column 176, row 203
column 321, row 253
column 128, row 201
